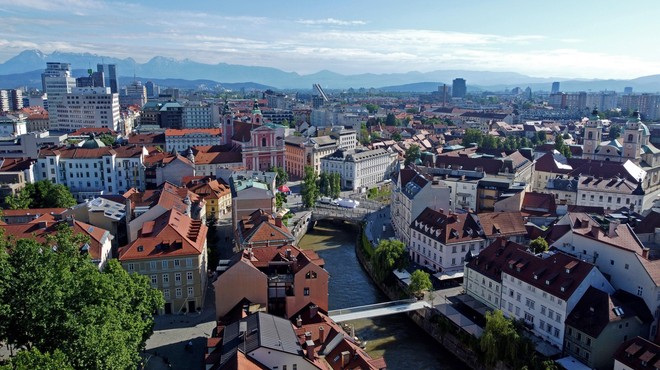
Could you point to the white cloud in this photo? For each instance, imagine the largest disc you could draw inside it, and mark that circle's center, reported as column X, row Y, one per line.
column 331, row 21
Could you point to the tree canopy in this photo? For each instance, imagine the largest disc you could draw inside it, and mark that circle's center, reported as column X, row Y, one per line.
column 615, row 131
column 561, row 146
column 420, row 281
column 63, row 311
column 538, row 245
column 412, row 154
column 389, row 254
column 371, row 108
column 41, row 194
column 310, row 190
column 282, row 177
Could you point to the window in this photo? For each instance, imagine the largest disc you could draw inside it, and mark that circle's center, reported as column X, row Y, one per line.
column 164, row 264
column 166, row 294
column 306, row 291
column 152, row 265
column 556, row 333
column 518, row 297
column 189, row 262
column 529, row 303
column 517, row 311
column 177, row 263
column 557, row 317
column 551, row 313
column 626, row 267
column 179, row 292
column 131, row 267
column 166, row 279
column 541, row 325
column 191, row 292
column 177, row 278
column 640, row 291
column 542, row 310
column 510, row 307
column 154, row 279
column 189, row 277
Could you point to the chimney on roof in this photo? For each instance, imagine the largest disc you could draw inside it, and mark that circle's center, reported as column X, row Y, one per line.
column 288, row 253
column 345, row 359
column 278, row 221
column 645, row 253
column 321, row 334
column 612, row 230
column 310, row 349
column 298, row 321
column 43, row 224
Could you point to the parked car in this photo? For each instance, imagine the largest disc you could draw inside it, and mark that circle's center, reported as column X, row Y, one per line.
column 325, row 200
column 348, row 203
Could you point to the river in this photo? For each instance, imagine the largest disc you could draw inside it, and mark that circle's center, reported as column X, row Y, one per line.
column 396, row 337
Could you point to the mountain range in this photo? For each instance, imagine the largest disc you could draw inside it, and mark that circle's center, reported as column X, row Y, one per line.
column 25, row 69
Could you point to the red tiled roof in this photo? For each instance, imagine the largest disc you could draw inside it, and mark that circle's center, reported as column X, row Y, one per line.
column 491, row 260
column 173, row 234
column 216, row 154
column 447, row 228
column 534, row 201
column 502, row 224
column 260, row 229
column 638, row 353
column 39, row 231
column 262, row 257
column 183, row 132
column 15, row 164
column 144, row 139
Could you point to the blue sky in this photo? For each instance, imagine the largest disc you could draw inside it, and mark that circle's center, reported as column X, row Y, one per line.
column 590, row 39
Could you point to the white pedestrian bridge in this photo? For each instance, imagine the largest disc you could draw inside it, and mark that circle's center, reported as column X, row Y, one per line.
column 378, row 309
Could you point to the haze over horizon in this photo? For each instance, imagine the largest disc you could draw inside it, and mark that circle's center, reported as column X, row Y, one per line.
column 604, row 39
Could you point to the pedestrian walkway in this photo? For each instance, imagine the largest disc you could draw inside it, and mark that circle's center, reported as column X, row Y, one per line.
column 376, row 310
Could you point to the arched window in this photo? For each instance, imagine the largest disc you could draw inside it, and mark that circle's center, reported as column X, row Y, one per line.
column 263, row 141
column 590, row 135
column 630, row 137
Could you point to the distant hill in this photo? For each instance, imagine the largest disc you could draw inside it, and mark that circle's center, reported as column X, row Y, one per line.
column 20, row 71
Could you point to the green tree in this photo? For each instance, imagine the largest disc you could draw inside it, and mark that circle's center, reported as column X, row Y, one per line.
column 538, row 245
column 561, row 146
column 325, row 186
column 472, row 136
column 280, row 199
column 390, row 120
column 412, row 110
column 615, row 131
column 396, row 136
column 41, row 194
column 498, row 338
column 365, row 138
column 310, row 189
column 389, row 254
column 371, row 108
column 33, row 359
column 282, row 177
column 335, row 185
column 412, row 154
column 59, row 300
column 420, row 282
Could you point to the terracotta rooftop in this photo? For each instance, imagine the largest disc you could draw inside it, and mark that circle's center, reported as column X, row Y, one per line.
column 40, row 230
column 502, row 224
column 184, row 132
column 171, row 234
column 262, row 229
column 262, row 257
column 447, row 228
column 147, row 139
column 15, row 164
column 491, row 260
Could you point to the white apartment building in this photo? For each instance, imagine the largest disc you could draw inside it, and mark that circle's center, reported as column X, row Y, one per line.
column 346, row 139
column 360, row 169
column 180, row 140
column 617, row 252
column 93, row 169
column 87, row 107
column 411, row 194
column 440, row 241
column 539, row 289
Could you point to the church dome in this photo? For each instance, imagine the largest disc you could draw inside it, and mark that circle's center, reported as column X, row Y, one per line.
column 92, row 143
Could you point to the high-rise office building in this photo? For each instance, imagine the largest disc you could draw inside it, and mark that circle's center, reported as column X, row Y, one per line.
column 87, row 107
column 555, row 88
column 458, row 88
column 57, row 83
column 95, row 79
column 153, row 90
column 627, row 90
column 110, row 76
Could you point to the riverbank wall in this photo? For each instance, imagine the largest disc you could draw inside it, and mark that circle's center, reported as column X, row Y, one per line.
column 432, row 322
column 301, row 226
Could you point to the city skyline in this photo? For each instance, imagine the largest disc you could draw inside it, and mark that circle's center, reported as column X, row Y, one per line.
column 568, row 40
